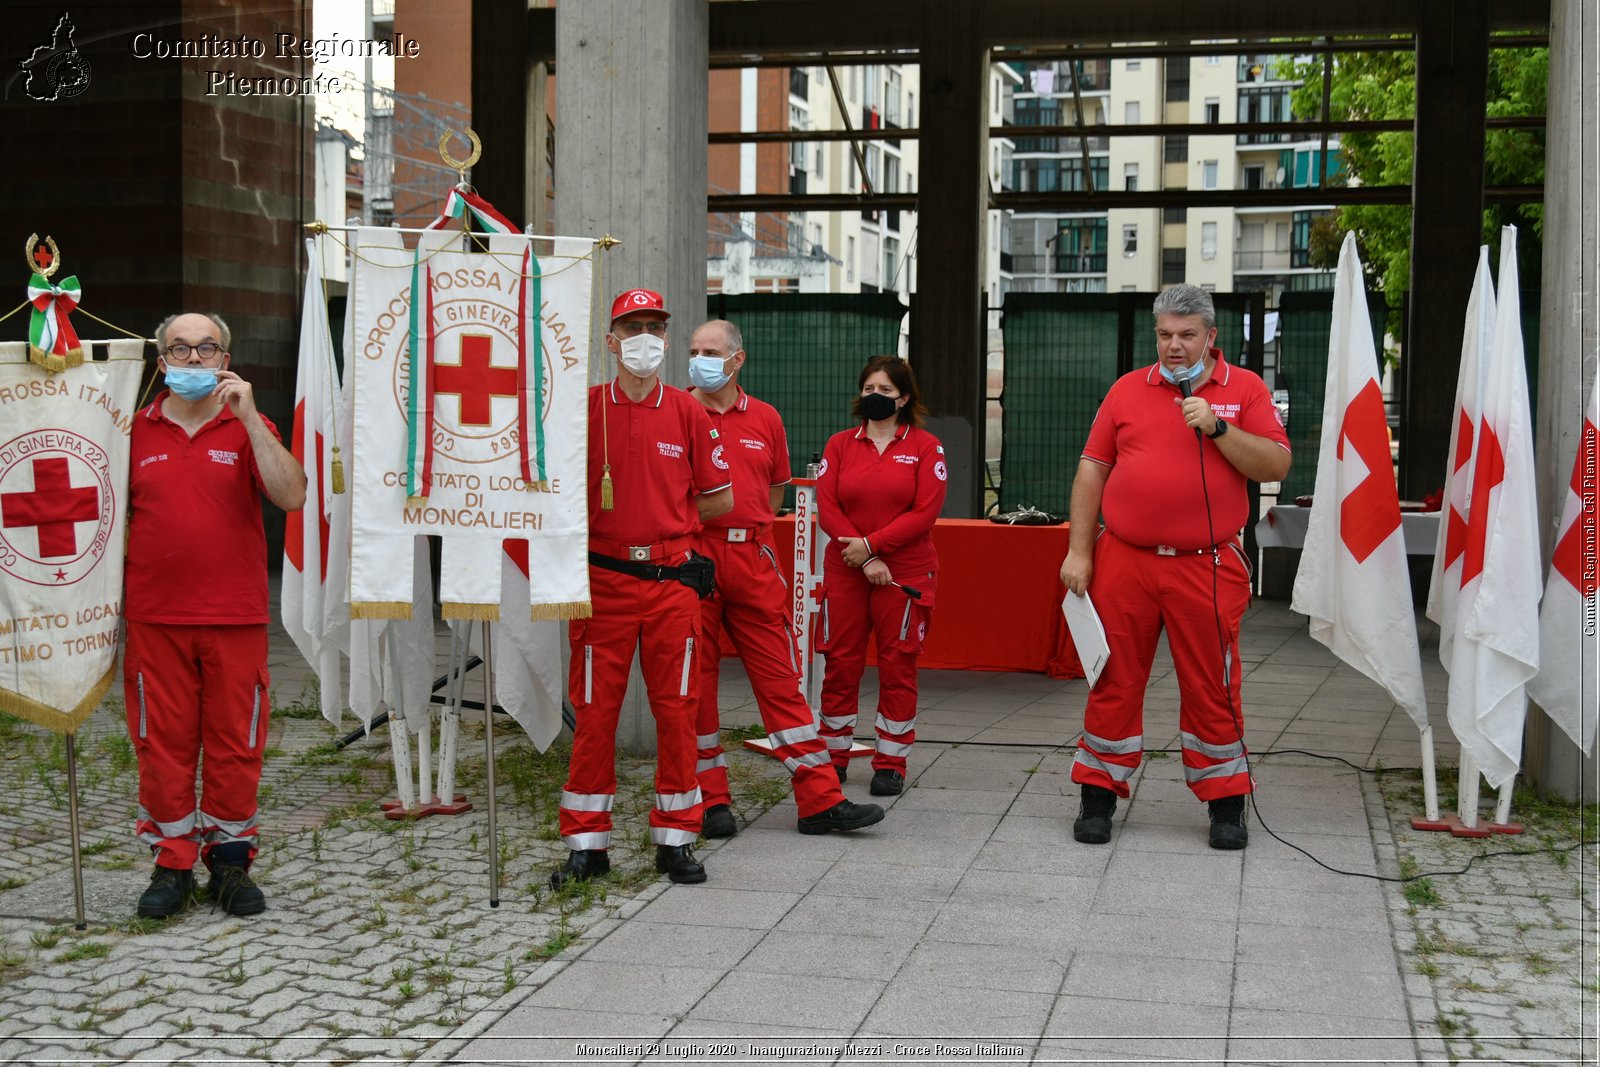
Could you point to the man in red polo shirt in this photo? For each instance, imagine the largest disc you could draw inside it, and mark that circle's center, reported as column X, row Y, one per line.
column 651, row 483
column 195, row 666
column 1169, row 557
column 751, row 600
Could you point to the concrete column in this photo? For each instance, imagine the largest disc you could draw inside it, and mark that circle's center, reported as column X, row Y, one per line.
column 1569, row 334
column 631, row 162
column 1446, row 226
column 947, row 330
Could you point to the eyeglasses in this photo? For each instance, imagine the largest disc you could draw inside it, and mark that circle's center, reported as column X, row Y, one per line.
column 633, row 328
column 205, row 351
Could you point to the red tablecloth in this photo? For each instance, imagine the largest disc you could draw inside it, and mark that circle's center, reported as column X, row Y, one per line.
column 999, row 602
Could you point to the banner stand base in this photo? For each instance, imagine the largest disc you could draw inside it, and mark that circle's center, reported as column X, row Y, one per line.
column 394, row 809
column 1457, row 828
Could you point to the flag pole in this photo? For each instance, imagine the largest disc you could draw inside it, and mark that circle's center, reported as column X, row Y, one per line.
column 72, row 815
column 488, row 742
column 399, row 743
column 1467, row 791
column 1430, row 777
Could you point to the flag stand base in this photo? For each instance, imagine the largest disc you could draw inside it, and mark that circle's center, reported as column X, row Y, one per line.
column 394, row 809
column 1457, row 828
column 764, row 746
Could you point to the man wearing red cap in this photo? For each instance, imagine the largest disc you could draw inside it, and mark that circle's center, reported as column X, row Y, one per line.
column 750, row 602
column 651, row 483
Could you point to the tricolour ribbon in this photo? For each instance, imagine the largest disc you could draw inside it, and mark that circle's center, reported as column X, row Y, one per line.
column 52, row 342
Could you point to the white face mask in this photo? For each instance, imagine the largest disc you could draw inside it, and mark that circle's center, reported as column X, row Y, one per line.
column 643, row 353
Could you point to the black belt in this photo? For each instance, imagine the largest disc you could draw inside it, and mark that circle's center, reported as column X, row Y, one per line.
column 697, row 572
column 655, row 572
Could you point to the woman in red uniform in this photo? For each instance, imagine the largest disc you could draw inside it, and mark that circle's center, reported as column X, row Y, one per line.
column 879, row 491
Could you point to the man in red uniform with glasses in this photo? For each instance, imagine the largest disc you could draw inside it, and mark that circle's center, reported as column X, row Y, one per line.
column 195, row 666
column 750, row 605
column 1169, row 557
column 651, row 483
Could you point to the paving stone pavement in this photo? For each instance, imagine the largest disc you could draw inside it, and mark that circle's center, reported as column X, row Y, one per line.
column 969, row 911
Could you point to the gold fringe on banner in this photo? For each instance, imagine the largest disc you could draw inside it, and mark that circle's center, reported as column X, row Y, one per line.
column 54, row 719
column 382, row 609
column 56, row 364
column 577, row 609
column 470, row 612
column 416, row 501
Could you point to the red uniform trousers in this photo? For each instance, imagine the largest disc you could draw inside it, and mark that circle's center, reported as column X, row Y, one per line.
column 852, row 609
column 662, row 620
column 751, row 608
column 188, row 689
column 1137, row 592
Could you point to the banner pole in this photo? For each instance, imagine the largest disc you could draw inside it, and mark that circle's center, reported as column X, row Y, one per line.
column 72, row 815
column 1430, row 777
column 488, row 742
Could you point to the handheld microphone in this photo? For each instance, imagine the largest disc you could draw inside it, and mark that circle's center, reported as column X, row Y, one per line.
column 1187, row 389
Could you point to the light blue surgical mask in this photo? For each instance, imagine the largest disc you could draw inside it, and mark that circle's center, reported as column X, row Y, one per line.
column 192, row 383
column 708, row 372
column 1187, row 374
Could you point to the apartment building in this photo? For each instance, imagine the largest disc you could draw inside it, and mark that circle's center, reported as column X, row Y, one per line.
column 1229, row 249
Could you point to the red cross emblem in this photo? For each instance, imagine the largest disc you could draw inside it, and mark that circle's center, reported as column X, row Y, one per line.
column 1566, row 559
column 53, row 507
column 473, row 381
column 43, row 257
column 1371, row 511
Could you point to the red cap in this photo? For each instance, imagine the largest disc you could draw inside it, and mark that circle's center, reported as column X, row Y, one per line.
column 636, row 300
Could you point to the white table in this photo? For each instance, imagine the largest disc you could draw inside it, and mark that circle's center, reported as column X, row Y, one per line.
column 1285, row 527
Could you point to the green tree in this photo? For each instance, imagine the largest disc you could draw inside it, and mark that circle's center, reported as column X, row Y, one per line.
column 1383, row 85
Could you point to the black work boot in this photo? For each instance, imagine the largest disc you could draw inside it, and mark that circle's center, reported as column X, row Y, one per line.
column 1227, row 823
column 887, row 783
column 231, row 885
column 167, row 894
column 718, row 821
column 842, row 770
column 677, row 862
column 842, row 816
column 1093, row 825
column 582, row 864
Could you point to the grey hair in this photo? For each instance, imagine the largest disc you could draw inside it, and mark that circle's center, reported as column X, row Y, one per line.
column 730, row 332
column 224, row 334
column 1186, row 300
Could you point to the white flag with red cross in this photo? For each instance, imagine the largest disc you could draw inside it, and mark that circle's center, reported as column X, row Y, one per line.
column 1353, row 580
column 1567, row 687
column 305, row 587
column 1494, row 646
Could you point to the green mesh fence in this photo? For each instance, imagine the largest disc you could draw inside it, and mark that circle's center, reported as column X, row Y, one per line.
column 1304, row 321
column 804, row 351
column 1062, row 353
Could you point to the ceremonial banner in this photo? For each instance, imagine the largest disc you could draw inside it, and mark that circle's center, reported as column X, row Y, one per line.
column 470, row 375
column 63, row 510
column 1353, row 581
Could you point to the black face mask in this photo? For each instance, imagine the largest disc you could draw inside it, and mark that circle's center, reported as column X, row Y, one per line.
column 877, row 406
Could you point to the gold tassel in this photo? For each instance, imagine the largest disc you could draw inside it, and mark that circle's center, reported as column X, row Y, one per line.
column 338, row 471
column 578, row 609
column 382, row 609
column 416, row 501
column 470, row 612
column 607, row 499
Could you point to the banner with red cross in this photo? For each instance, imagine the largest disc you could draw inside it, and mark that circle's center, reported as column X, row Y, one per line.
column 63, row 509
column 470, row 375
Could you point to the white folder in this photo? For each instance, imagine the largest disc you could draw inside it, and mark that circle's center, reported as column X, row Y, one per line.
column 1088, row 635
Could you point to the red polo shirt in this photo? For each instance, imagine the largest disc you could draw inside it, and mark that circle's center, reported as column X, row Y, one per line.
column 197, row 553
column 891, row 499
column 753, row 447
column 1153, row 494
column 660, row 454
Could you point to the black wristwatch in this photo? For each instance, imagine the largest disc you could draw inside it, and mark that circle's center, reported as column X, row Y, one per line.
column 1222, row 428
